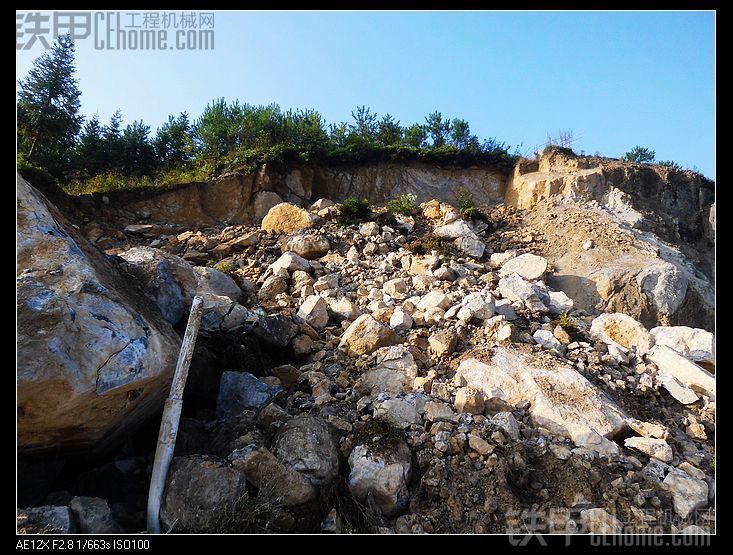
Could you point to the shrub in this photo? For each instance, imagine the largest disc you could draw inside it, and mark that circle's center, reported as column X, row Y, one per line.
column 669, row 164
column 354, row 211
column 639, row 155
column 465, row 203
column 403, row 204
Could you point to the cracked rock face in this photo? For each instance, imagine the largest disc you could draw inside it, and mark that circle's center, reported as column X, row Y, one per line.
column 92, row 358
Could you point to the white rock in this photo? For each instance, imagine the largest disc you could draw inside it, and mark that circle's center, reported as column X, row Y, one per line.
column 434, row 299
column 690, row 374
column 395, row 288
column 623, row 330
column 561, row 399
column 693, row 343
column 314, row 311
column 471, row 246
column 400, row 320
column 454, row 230
column 656, row 448
column 478, row 305
column 369, row 229
column 343, row 309
column 290, row 261
column 498, row 258
column 383, row 475
column 683, row 394
column 547, row 340
column 516, row 289
column 529, row 266
column 560, row 302
column 600, row 521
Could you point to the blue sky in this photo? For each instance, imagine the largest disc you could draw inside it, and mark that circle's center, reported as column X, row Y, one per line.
column 615, row 79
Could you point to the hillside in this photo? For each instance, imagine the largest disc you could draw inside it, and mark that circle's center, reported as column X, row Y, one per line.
column 534, row 341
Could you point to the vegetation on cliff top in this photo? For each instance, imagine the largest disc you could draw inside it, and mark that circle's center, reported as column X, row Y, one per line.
column 88, row 156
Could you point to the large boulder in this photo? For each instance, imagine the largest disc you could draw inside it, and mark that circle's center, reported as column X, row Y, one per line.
column 94, row 359
column 561, row 399
column 308, row 245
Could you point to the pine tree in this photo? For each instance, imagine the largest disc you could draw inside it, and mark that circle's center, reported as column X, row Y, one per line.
column 48, row 108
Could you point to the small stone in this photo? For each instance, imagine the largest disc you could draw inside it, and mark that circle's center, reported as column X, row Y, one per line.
column 314, row 311
column 481, row 446
column 651, row 447
column 469, row 400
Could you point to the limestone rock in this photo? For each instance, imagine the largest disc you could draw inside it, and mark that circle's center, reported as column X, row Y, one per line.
column 687, row 372
column 688, row 493
column 656, row 448
column 600, row 521
column 314, row 311
column 309, row 246
column 562, row 400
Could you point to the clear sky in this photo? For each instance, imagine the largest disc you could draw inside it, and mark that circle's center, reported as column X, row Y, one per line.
column 615, row 79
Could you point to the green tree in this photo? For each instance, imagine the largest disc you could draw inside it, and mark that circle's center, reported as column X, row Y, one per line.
column 389, row 131
column 138, row 153
column 91, row 151
column 415, row 136
column 216, row 130
column 363, row 132
column 173, row 142
column 640, row 155
column 48, row 108
column 461, row 137
column 438, row 129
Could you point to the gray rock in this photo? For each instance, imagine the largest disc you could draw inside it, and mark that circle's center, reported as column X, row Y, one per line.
column 200, row 492
column 45, row 520
column 672, row 363
column 94, row 516
column 271, row 287
column 477, row 306
column 276, row 329
column 240, row 391
column 275, row 481
column 369, row 229
column 398, row 412
column 507, row 422
column 516, row 289
column 310, row 246
column 306, row 444
column 688, row 494
column 290, row 262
